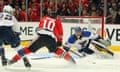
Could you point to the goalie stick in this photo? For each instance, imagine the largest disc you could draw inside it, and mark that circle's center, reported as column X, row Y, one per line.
column 77, row 54
column 103, row 46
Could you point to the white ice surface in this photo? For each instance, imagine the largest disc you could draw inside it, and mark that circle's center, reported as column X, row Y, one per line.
column 88, row 64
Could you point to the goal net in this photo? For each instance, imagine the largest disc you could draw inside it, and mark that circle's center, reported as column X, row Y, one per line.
column 92, row 23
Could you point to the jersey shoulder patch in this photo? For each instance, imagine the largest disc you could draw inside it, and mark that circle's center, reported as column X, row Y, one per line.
column 72, row 38
column 86, row 33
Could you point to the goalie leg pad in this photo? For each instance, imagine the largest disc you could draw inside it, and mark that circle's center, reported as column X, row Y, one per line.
column 102, row 47
column 87, row 50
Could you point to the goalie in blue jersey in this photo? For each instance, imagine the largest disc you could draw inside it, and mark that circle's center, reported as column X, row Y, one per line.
column 82, row 39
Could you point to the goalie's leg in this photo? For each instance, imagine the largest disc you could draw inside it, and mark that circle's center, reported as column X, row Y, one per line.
column 102, row 47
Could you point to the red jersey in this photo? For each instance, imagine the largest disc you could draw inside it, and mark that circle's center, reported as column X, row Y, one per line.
column 52, row 27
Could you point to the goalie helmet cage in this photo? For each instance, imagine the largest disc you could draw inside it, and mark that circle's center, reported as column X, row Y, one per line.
column 91, row 21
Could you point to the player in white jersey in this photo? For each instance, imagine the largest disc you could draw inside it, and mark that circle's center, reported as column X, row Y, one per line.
column 82, row 39
column 9, row 32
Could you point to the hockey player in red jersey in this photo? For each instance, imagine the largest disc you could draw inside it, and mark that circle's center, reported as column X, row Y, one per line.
column 49, row 34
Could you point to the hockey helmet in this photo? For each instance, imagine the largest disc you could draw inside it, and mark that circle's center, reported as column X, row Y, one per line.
column 8, row 8
column 77, row 29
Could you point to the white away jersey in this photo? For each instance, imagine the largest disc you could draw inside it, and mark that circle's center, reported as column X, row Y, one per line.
column 6, row 19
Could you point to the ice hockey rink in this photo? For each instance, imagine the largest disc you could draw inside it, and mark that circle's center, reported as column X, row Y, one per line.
column 92, row 63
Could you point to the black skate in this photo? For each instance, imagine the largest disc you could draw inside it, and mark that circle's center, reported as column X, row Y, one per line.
column 26, row 62
column 4, row 61
column 10, row 62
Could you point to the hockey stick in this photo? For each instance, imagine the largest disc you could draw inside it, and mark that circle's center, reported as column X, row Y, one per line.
column 40, row 58
column 103, row 47
column 76, row 53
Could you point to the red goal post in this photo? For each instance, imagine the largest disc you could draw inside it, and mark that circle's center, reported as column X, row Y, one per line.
column 90, row 21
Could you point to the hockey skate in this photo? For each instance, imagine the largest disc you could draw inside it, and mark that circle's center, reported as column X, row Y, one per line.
column 3, row 58
column 3, row 61
column 67, row 57
column 25, row 60
column 10, row 62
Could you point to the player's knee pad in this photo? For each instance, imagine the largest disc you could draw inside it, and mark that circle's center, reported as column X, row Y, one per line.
column 21, row 52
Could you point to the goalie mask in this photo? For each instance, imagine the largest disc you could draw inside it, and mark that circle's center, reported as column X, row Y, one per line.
column 77, row 29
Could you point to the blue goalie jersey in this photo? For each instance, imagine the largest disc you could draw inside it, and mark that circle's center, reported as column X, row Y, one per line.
column 73, row 37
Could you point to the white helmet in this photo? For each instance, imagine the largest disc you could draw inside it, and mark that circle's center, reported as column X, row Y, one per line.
column 8, row 8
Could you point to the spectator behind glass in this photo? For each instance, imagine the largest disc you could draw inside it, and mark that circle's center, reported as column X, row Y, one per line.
column 113, row 8
column 92, row 8
column 11, row 2
column 62, row 11
column 23, row 11
column 29, row 11
column 52, row 5
column 112, row 12
column 19, row 13
column 117, row 17
column 1, row 5
column 36, row 3
column 17, row 7
column 35, row 14
column 22, row 2
column 74, row 8
column 93, row 13
column 84, row 12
